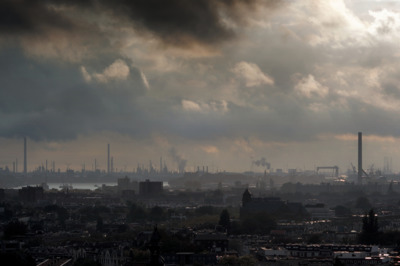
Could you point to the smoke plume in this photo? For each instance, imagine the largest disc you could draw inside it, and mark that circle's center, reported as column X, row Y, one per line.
column 262, row 162
column 178, row 159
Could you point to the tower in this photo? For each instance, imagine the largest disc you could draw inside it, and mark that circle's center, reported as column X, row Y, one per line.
column 45, row 174
column 25, row 162
column 246, row 198
column 108, row 158
column 112, row 164
column 359, row 158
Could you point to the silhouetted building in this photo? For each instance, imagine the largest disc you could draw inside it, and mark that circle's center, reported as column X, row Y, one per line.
column 150, row 188
column 360, row 170
column 126, row 184
column 269, row 205
column 108, row 158
column 30, row 194
column 128, row 194
column 319, row 211
column 25, row 158
column 155, row 251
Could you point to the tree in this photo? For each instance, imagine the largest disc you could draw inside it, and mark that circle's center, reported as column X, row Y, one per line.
column 363, row 203
column 156, row 213
column 136, row 213
column 370, row 228
column 225, row 220
column 370, row 223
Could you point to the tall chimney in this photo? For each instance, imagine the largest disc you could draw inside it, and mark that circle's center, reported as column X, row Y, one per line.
column 45, row 175
column 359, row 158
column 25, row 162
column 108, row 158
column 112, row 165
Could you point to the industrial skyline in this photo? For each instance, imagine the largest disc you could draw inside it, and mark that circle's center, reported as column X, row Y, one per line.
column 217, row 83
column 179, row 164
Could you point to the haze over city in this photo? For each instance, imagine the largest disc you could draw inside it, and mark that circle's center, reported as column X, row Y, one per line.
column 216, row 83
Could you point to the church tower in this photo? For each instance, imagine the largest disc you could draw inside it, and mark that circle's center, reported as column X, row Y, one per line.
column 246, row 198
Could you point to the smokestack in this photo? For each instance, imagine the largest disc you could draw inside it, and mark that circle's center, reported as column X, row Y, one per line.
column 359, row 158
column 25, row 162
column 112, row 164
column 108, row 158
column 45, row 175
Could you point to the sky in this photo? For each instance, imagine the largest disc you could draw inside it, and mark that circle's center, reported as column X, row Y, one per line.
column 222, row 84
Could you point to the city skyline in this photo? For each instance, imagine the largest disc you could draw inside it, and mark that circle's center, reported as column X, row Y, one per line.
column 221, row 84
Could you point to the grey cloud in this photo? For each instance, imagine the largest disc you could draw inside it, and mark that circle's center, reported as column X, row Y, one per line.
column 52, row 101
column 175, row 22
column 44, row 100
column 180, row 22
column 286, row 121
column 30, row 17
column 391, row 87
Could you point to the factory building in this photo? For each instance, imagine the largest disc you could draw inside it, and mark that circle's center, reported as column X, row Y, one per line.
column 150, row 188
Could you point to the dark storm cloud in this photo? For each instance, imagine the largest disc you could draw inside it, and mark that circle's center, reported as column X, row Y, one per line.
column 30, row 17
column 175, row 22
column 181, row 22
